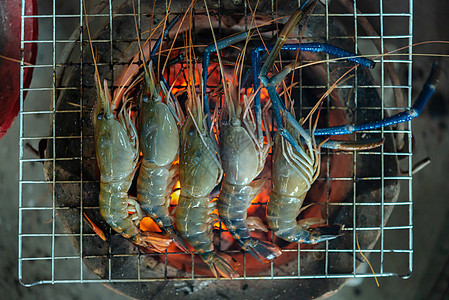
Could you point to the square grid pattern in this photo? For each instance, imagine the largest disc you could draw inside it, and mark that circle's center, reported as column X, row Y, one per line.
column 387, row 244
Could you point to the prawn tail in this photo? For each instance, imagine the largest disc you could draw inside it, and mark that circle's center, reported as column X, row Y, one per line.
column 262, row 251
column 177, row 239
column 221, row 263
column 152, row 241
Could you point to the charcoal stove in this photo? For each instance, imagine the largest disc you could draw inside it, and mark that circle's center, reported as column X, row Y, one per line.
column 358, row 189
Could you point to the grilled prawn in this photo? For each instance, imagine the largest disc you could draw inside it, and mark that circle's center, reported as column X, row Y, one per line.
column 243, row 157
column 199, row 172
column 292, row 174
column 159, row 143
column 116, row 148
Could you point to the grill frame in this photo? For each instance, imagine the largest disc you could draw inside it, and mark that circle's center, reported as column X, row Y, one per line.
column 27, row 135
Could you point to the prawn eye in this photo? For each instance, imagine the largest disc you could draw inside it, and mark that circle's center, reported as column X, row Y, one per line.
column 100, row 116
column 145, row 98
column 235, row 122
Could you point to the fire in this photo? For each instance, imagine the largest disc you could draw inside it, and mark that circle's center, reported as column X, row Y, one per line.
column 174, row 197
column 179, row 77
column 147, row 224
column 217, row 224
column 263, row 93
column 261, row 197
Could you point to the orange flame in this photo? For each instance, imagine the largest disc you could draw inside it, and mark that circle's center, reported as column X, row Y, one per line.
column 174, row 197
column 217, row 225
column 262, row 197
column 263, row 93
column 147, row 224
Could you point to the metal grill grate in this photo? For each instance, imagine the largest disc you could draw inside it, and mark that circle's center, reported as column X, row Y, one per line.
column 40, row 212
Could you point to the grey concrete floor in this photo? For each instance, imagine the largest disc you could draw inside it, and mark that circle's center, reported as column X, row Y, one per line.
column 431, row 190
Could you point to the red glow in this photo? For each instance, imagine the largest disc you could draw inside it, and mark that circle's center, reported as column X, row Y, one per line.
column 174, row 197
column 263, row 93
column 147, row 224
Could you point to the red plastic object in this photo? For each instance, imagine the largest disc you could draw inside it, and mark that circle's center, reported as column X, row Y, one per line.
column 10, row 12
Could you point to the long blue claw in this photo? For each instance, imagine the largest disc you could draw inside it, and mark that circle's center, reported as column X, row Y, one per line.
column 322, row 47
column 332, row 50
column 206, row 60
column 156, row 46
column 294, row 19
column 221, row 44
column 307, row 47
column 405, row 116
column 164, row 34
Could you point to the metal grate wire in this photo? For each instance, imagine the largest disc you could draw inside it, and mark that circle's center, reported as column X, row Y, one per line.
column 39, row 210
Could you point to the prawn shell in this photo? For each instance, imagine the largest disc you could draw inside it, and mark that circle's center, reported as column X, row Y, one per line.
column 198, row 170
column 286, row 179
column 113, row 201
column 153, row 194
column 193, row 221
column 116, row 154
column 158, row 133
column 239, row 156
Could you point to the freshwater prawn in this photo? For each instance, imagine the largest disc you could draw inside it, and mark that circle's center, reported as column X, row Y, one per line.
column 159, row 143
column 294, row 168
column 199, row 172
column 243, row 157
column 117, row 153
column 116, row 148
column 292, row 175
column 158, row 135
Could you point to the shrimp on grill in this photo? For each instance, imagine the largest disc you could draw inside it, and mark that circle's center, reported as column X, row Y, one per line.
column 159, row 143
column 116, row 146
column 243, row 157
column 292, row 175
column 199, row 172
column 117, row 153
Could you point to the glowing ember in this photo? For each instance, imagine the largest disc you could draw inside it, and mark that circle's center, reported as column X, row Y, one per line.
column 174, row 197
column 147, row 224
column 217, row 224
column 263, row 93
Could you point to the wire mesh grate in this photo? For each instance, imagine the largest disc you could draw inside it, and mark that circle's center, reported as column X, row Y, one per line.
column 53, row 205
